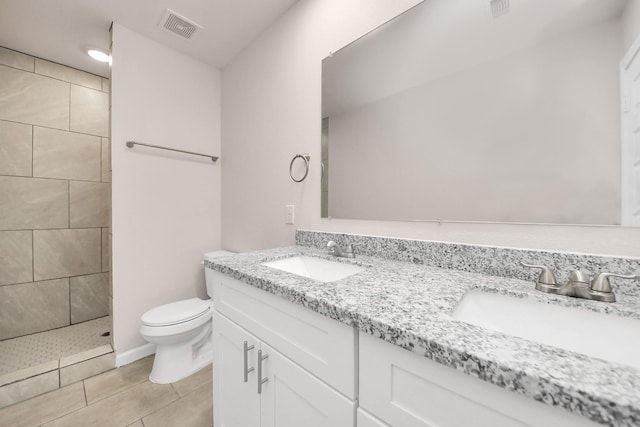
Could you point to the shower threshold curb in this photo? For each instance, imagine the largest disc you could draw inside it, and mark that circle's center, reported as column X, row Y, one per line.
column 26, row 383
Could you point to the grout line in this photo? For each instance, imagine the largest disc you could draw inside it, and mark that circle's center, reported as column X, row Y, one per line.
column 69, row 204
column 52, row 128
column 33, row 237
column 101, row 249
column 101, row 161
column 84, row 389
column 69, row 124
column 55, row 179
column 51, row 278
column 69, row 223
column 33, row 257
column 33, row 131
column 69, row 288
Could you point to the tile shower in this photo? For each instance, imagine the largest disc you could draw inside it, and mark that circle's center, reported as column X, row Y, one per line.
column 54, row 198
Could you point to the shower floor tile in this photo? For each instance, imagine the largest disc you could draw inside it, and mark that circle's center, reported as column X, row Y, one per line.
column 35, row 349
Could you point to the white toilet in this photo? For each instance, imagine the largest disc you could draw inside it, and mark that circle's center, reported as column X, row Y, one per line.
column 181, row 331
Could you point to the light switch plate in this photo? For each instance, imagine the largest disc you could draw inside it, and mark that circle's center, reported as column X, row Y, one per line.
column 289, row 216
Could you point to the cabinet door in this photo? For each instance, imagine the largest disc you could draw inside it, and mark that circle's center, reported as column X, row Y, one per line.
column 365, row 419
column 292, row 397
column 406, row 389
column 235, row 403
column 318, row 344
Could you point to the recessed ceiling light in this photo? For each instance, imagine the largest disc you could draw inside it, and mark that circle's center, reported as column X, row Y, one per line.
column 99, row 55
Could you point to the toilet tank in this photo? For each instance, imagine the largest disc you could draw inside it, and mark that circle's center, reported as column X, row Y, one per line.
column 208, row 273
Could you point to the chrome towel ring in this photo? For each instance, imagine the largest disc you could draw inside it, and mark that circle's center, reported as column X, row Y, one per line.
column 306, row 159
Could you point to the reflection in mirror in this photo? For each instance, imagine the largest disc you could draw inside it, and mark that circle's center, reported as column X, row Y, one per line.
column 451, row 112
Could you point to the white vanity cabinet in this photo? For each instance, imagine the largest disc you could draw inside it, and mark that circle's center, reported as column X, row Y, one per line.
column 318, row 372
column 308, row 362
column 401, row 388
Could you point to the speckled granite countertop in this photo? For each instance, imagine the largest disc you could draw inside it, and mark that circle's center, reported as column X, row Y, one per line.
column 408, row 305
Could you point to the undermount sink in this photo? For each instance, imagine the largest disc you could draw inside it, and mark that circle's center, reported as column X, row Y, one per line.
column 315, row 268
column 605, row 336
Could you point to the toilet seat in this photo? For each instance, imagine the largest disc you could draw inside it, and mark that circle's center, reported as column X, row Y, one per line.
column 177, row 312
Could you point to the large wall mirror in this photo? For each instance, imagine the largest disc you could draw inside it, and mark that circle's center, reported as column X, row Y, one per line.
column 486, row 110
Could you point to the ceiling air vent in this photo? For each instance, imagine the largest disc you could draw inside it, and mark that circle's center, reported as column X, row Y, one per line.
column 179, row 25
column 499, row 7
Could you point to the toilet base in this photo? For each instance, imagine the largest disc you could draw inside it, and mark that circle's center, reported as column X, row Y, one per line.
column 175, row 362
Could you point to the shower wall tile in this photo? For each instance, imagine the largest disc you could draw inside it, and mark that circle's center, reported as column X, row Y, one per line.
column 15, row 257
column 89, row 297
column 31, row 203
column 106, row 160
column 88, row 204
column 15, row 149
column 16, row 59
column 68, row 74
column 64, row 253
column 33, row 99
column 89, row 111
column 106, row 249
column 33, row 307
column 54, row 195
column 66, row 155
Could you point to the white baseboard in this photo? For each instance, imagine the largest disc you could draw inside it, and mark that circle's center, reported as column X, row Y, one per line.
column 134, row 354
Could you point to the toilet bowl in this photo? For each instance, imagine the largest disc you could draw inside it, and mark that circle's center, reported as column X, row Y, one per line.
column 181, row 331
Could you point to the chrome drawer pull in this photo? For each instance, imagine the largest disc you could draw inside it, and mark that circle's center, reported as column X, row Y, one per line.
column 247, row 369
column 260, row 379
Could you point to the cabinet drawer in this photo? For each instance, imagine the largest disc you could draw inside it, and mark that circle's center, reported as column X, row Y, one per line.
column 405, row 389
column 323, row 346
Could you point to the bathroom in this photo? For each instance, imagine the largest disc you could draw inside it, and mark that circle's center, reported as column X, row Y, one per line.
column 256, row 112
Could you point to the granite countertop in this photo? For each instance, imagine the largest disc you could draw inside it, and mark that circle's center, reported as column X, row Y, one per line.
column 409, row 305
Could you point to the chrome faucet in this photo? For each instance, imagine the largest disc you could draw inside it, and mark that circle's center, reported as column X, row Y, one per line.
column 579, row 285
column 335, row 250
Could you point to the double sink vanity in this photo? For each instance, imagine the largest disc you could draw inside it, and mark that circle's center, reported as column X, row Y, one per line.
column 415, row 333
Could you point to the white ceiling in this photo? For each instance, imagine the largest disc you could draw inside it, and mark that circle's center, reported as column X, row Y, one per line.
column 62, row 30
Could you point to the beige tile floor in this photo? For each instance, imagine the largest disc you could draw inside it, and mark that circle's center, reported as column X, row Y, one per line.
column 120, row 397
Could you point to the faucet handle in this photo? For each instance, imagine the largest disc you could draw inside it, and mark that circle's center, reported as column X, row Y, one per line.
column 546, row 280
column 601, row 282
column 546, row 275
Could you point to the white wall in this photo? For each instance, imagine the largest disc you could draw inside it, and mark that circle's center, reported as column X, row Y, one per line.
column 166, row 206
column 271, row 111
